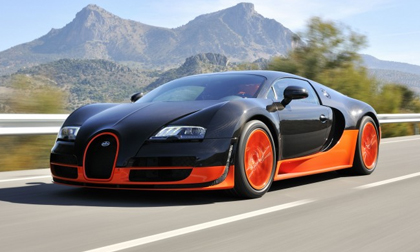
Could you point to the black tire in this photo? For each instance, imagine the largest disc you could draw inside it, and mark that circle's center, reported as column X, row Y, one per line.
column 254, row 176
column 367, row 149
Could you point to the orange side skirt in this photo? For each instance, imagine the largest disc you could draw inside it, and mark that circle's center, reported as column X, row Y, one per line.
column 339, row 157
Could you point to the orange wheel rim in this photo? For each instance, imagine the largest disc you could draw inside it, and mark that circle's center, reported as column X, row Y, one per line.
column 258, row 159
column 369, row 145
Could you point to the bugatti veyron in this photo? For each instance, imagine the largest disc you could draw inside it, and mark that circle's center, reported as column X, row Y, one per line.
column 237, row 131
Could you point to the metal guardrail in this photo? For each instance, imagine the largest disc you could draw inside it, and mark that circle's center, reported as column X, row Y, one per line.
column 49, row 124
column 398, row 118
column 31, row 124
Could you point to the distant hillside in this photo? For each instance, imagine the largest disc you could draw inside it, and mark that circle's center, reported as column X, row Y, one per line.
column 394, row 72
column 91, row 81
column 374, row 63
column 238, row 32
column 88, row 81
column 412, row 81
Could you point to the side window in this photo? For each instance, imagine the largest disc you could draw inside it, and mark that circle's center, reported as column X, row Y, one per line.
column 280, row 85
column 271, row 94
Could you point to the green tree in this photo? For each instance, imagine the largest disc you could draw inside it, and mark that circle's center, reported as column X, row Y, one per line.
column 326, row 45
column 397, row 99
column 329, row 54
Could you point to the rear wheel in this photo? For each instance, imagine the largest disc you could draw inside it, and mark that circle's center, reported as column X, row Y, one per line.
column 367, row 149
column 255, row 162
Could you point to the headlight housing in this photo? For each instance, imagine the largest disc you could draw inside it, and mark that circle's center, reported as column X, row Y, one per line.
column 180, row 133
column 68, row 133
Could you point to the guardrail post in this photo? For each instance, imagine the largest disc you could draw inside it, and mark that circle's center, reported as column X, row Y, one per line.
column 416, row 129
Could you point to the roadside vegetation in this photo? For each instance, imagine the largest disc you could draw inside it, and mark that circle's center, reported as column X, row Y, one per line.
column 30, row 95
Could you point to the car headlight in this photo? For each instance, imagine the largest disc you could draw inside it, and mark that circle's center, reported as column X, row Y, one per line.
column 180, row 132
column 68, row 133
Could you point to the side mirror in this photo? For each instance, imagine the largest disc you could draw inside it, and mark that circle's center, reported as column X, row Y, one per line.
column 293, row 93
column 134, row 97
column 290, row 93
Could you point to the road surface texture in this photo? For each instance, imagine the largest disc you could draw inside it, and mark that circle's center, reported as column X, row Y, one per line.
column 326, row 212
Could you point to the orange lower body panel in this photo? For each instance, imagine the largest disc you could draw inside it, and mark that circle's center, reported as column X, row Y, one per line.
column 120, row 176
column 339, row 157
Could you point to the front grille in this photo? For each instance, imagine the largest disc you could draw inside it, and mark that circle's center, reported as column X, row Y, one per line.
column 162, row 162
column 100, row 156
column 63, row 159
column 64, row 171
column 159, row 175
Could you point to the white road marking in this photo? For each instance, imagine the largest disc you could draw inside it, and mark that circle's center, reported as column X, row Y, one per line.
column 198, row 227
column 388, row 181
column 27, row 178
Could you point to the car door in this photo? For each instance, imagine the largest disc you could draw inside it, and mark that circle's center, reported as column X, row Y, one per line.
column 304, row 124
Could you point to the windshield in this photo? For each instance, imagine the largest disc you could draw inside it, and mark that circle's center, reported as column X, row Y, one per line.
column 207, row 87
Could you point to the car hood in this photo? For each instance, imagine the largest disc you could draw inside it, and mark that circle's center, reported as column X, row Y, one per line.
column 135, row 123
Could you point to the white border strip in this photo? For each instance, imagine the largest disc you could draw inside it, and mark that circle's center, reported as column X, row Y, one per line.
column 195, row 228
column 388, row 181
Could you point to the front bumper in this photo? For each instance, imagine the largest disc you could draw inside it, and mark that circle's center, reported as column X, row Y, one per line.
column 203, row 178
column 204, row 165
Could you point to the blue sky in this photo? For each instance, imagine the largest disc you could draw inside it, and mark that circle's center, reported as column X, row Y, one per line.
column 392, row 26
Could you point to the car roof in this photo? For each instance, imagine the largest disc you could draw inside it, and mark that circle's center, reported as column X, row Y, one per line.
column 269, row 75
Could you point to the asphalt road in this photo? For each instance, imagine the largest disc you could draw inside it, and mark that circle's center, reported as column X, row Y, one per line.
column 326, row 212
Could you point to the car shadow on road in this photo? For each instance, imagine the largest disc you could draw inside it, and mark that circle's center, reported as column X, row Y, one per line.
column 306, row 180
column 51, row 194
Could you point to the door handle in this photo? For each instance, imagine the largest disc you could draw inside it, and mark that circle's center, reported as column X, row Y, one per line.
column 323, row 118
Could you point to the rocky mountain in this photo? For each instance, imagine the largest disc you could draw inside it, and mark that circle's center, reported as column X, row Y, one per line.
column 197, row 64
column 238, row 32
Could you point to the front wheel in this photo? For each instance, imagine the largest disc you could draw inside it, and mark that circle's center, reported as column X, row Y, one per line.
column 367, row 149
column 255, row 162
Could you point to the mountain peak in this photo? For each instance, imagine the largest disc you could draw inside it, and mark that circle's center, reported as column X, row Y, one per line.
column 243, row 9
column 245, row 6
column 93, row 7
column 93, row 11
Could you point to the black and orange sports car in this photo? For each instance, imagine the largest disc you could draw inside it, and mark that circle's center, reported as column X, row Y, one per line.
column 233, row 130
